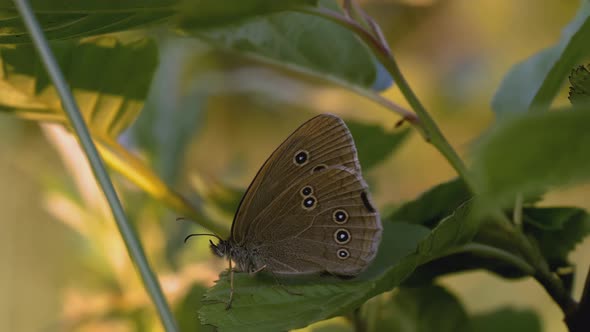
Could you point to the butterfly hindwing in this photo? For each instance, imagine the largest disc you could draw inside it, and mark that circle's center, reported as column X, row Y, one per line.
column 322, row 223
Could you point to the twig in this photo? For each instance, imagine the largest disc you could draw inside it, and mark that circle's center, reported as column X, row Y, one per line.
column 431, row 131
column 517, row 212
column 433, row 135
column 483, row 250
column 579, row 319
column 71, row 108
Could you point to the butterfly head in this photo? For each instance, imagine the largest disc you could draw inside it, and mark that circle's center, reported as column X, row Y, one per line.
column 220, row 249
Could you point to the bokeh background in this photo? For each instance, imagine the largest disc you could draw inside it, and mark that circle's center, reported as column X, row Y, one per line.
column 64, row 264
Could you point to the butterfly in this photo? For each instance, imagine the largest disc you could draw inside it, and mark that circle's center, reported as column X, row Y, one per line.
column 307, row 211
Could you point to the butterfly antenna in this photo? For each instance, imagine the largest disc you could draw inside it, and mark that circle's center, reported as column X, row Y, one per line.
column 200, row 234
column 196, row 234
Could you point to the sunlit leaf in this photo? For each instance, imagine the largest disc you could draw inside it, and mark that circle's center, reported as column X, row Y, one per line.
column 93, row 70
column 299, row 40
column 74, row 19
column 209, row 13
column 531, row 153
column 534, row 82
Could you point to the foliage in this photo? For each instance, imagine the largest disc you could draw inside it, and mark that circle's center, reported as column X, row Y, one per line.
column 580, row 86
column 148, row 96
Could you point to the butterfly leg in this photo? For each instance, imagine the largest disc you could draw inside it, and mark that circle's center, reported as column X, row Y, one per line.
column 231, row 286
column 276, row 280
column 283, row 286
column 257, row 270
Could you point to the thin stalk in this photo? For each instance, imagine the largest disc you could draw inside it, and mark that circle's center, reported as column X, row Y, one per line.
column 517, row 212
column 120, row 160
column 483, row 250
column 579, row 319
column 434, row 135
column 550, row 282
column 431, row 130
column 358, row 322
column 71, row 108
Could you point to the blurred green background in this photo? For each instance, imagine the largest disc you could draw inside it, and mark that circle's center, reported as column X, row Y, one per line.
column 64, row 261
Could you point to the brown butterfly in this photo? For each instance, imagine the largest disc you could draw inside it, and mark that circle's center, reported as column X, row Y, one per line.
column 308, row 209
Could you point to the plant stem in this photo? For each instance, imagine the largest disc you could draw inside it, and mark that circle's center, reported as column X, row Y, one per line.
column 431, row 131
column 579, row 319
column 360, row 325
column 483, row 250
column 131, row 241
column 433, row 135
column 124, row 162
column 552, row 284
column 517, row 211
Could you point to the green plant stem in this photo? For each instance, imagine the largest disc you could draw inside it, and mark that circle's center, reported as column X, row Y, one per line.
column 483, row 250
column 433, row 135
column 579, row 320
column 431, row 131
column 517, row 215
column 120, row 160
column 359, row 324
column 552, row 284
column 131, row 241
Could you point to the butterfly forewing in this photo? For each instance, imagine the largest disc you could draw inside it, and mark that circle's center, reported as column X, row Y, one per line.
column 320, row 143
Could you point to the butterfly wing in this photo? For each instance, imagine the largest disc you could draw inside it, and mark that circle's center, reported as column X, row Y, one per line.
column 322, row 142
column 324, row 222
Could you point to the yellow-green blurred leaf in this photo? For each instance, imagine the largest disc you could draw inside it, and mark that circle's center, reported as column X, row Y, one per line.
column 109, row 79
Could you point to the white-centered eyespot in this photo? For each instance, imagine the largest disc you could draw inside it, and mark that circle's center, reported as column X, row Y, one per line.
column 342, row 253
column 340, row 216
column 342, row 236
column 309, row 203
column 301, row 158
column 306, row 191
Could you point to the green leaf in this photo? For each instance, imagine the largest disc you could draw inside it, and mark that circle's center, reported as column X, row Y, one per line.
column 557, row 230
column 456, row 229
column 374, row 143
column 186, row 311
column 534, row 82
column 110, row 81
column 425, row 309
column 528, row 154
column 215, row 13
column 433, row 205
column 94, row 71
column 75, row 19
column 258, row 305
column 175, row 107
column 580, row 86
column 301, row 41
column 507, row 320
column 461, row 262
